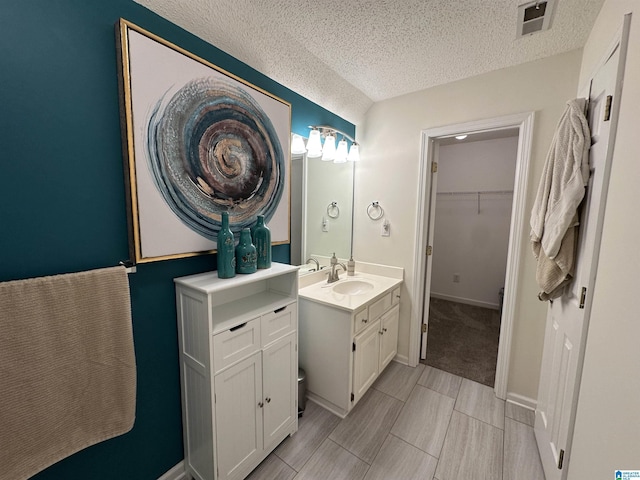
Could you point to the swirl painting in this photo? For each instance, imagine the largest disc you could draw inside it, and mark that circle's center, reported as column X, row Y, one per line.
column 199, row 142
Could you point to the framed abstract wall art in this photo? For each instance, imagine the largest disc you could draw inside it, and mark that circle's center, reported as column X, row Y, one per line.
column 197, row 141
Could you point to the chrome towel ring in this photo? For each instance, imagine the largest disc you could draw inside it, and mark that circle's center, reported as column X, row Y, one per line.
column 375, row 211
column 333, row 211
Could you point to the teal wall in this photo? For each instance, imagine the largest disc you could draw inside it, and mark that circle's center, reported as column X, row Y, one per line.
column 62, row 196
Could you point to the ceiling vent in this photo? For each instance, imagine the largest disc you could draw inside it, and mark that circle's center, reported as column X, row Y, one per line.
column 534, row 17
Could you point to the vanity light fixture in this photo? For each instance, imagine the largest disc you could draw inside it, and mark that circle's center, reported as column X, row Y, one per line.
column 328, row 151
column 354, row 153
column 329, row 148
column 297, row 145
column 314, row 146
column 342, row 152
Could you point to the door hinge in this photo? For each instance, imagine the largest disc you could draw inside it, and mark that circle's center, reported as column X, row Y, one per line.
column 424, row 328
column 429, row 250
column 607, row 108
column 215, row 399
column 560, row 459
column 353, row 347
column 583, row 296
column 352, row 397
column 434, row 167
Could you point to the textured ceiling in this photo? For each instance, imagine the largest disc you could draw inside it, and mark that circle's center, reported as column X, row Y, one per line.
column 347, row 54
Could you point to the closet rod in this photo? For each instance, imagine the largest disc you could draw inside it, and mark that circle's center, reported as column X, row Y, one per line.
column 480, row 192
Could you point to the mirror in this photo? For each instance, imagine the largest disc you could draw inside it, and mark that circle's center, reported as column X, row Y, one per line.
column 321, row 208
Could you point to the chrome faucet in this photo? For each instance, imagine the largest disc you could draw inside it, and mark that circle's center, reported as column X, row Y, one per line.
column 333, row 274
column 314, row 261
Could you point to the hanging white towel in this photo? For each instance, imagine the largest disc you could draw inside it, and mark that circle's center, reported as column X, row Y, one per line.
column 554, row 218
column 67, row 367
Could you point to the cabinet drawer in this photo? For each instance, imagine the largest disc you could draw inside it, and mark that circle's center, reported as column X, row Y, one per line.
column 395, row 296
column 235, row 344
column 378, row 307
column 279, row 323
column 360, row 321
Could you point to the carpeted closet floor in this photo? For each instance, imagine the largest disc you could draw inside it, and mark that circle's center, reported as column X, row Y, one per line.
column 463, row 340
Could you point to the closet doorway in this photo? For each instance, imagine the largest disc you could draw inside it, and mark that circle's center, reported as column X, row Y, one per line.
column 474, row 195
column 427, row 200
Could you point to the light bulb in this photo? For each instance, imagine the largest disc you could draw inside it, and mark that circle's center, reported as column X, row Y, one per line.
column 297, row 145
column 354, row 153
column 314, row 147
column 341, row 152
column 329, row 148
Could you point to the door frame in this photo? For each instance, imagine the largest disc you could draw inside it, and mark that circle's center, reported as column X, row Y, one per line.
column 524, row 122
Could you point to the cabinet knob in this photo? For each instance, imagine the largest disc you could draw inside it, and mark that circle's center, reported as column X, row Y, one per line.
column 380, row 332
column 364, row 320
column 268, row 400
column 384, row 329
column 260, row 404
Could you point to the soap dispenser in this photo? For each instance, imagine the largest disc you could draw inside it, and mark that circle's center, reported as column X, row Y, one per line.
column 351, row 267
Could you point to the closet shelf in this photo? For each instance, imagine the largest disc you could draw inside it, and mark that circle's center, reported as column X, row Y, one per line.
column 477, row 194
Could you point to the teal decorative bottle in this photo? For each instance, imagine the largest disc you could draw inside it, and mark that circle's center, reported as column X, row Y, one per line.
column 262, row 241
column 246, row 257
column 226, row 250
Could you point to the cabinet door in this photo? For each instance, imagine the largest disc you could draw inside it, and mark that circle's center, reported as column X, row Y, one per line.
column 279, row 383
column 389, row 337
column 365, row 359
column 238, row 407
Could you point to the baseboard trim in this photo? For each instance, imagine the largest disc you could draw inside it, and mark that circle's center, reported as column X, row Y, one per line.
column 327, row 405
column 403, row 359
column 176, row 473
column 521, row 400
column 467, row 301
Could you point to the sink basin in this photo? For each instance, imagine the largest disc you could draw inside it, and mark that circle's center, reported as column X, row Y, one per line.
column 353, row 287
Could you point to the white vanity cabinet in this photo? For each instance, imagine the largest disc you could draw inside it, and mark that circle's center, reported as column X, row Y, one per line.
column 373, row 349
column 343, row 351
column 238, row 342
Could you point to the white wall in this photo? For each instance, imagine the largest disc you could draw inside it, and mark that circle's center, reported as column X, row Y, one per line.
column 607, row 425
column 390, row 146
column 471, row 234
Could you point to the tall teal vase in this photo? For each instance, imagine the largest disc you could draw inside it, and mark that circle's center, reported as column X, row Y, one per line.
column 246, row 257
column 262, row 241
column 226, row 250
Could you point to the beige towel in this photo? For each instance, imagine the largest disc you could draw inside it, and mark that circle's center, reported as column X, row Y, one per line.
column 565, row 174
column 553, row 275
column 554, row 218
column 67, row 367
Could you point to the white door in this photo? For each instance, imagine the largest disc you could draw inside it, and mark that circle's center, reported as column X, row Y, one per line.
column 365, row 359
column 238, row 416
column 567, row 317
column 429, row 252
column 279, row 377
column 389, row 336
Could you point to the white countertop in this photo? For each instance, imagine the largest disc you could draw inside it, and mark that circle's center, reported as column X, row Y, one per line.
column 208, row 282
column 322, row 292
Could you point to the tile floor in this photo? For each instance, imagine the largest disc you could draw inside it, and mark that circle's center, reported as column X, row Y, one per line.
column 414, row 423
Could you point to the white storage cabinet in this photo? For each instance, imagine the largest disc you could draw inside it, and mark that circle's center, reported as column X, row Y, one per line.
column 238, row 368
